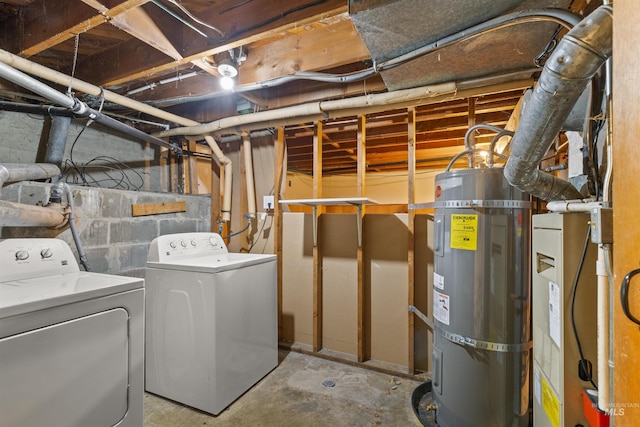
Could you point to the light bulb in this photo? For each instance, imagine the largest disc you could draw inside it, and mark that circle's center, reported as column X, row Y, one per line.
column 226, row 83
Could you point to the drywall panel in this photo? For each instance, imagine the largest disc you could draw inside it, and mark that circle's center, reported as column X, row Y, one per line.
column 338, row 246
column 297, row 278
column 386, row 278
column 385, row 187
column 423, row 338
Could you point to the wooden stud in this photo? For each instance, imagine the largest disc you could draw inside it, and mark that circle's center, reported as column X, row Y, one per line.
column 362, row 155
column 471, row 120
column 192, row 165
column 317, row 253
column 626, row 229
column 411, row 177
column 278, row 217
column 244, row 201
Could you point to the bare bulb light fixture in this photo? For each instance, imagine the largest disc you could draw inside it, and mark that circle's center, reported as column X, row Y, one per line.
column 227, row 68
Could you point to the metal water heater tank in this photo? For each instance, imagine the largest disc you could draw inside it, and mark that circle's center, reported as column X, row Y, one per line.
column 481, row 300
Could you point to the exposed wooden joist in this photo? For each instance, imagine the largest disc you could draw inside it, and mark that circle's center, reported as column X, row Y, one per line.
column 195, row 48
column 50, row 25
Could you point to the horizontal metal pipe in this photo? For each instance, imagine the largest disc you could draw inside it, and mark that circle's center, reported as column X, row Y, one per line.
column 13, row 172
column 76, row 106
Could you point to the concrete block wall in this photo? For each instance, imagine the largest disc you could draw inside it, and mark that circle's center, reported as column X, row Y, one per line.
column 114, row 241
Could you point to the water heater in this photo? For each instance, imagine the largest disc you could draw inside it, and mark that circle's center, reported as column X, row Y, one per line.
column 481, row 300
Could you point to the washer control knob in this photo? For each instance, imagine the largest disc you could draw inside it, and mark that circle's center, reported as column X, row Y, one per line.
column 193, row 243
column 46, row 253
column 22, row 255
column 173, row 245
column 183, row 243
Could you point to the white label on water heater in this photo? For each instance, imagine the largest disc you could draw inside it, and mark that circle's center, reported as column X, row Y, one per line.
column 441, row 307
column 438, row 281
column 554, row 312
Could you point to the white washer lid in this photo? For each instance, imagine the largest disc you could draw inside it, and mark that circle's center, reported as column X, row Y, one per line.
column 27, row 295
column 213, row 263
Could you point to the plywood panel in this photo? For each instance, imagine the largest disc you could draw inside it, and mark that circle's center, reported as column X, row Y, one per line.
column 297, row 278
column 626, row 230
column 387, row 280
column 339, row 283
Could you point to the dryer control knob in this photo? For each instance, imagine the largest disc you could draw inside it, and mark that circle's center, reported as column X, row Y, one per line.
column 22, row 255
column 46, row 253
column 183, row 243
column 173, row 245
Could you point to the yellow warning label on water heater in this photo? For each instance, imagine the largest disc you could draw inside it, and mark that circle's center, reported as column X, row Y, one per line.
column 464, row 232
column 550, row 404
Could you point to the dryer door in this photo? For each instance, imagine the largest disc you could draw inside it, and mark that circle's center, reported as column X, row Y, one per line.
column 73, row 373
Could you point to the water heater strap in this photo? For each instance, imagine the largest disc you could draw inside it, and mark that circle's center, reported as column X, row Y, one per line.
column 485, row 345
column 494, row 204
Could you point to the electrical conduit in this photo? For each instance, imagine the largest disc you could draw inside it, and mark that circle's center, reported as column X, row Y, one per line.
column 53, row 76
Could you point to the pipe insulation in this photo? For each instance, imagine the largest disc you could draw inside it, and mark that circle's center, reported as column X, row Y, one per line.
column 53, row 76
column 21, row 215
column 575, row 61
column 324, row 109
column 248, row 166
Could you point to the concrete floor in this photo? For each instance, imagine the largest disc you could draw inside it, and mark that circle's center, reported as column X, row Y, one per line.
column 294, row 395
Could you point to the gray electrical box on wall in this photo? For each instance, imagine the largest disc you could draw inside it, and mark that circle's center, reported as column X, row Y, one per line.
column 557, row 244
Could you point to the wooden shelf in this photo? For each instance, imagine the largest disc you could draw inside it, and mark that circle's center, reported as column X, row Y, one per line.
column 337, row 201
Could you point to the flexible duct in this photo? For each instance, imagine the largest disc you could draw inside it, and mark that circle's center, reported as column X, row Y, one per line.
column 56, row 77
column 579, row 55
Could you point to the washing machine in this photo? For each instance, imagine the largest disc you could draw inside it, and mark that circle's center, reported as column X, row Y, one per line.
column 211, row 320
column 71, row 342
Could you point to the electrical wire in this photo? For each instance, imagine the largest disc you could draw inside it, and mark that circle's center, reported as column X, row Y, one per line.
column 574, row 289
column 238, row 232
column 118, row 174
column 195, row 19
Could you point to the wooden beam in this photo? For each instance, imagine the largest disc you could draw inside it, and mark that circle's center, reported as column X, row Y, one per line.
column 158, row 208
column 317, row 253
column 327, row 44
column 361, row 181
column 278, row 217
column 45, row 27
column 194, row 49
column 411, row 177
column 626, row 229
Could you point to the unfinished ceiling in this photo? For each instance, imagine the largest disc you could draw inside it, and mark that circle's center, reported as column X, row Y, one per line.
column 166, row 53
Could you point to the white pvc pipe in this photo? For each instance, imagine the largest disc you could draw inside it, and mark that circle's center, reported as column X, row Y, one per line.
column 35, row 69
column 314, row 109
column 603, row 331
column 573, row 205
column 248, row 165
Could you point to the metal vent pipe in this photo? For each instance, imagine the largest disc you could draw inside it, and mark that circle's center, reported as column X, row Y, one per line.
column 566, row 74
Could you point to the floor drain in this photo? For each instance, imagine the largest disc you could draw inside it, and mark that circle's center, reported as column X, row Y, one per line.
column 329, row 383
